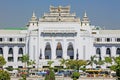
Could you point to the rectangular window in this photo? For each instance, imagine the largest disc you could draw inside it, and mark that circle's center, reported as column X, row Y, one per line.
column 46, row 57
column 108, row 39
column 10, row 39
column 20, row 66
column 20, row 39
column 19, row 58
column 98, row 39
column 118, row 39
column 1, row 39
column 10, row 59
column 93, row 32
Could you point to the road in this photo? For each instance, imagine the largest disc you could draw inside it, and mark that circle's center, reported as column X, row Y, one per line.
column 66, row 78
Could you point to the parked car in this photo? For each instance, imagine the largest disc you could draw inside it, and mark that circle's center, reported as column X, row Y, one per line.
column 41, row 73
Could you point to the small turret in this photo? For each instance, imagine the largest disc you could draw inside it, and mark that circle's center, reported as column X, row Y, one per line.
column 33, row 21
column 85, row 20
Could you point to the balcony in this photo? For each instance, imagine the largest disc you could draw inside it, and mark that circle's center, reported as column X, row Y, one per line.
column 12, row 42
column 106, row 42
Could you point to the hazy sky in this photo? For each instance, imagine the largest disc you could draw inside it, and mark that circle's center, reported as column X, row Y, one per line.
column 104, row 13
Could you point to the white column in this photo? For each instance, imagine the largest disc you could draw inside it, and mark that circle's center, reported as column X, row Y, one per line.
column 113, row 51
column 5, row 54
column 43, row 52
column 15, row 53
column 103, row 55
column 75, row 52
column 53, row 48
column 65, row 50
column 103, row 52
column 24, row 50
column 15, row 56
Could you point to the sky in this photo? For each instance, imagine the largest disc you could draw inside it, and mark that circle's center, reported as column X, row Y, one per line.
column 17, row 13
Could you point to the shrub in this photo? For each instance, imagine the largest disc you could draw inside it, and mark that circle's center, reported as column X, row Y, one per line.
column 4, row 75
column 50, row 75
column 75, row 75
column 118, row 73
column 9, row 68
column 23, row 77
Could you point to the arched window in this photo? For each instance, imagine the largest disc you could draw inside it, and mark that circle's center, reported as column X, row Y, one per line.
column 10, row 51
column 98, row 51
column 70, row 51
column 1, row 51
column 48, row 51
column 59, row 52
column 10, row 58
column 108, row 52
column 118, row 51
column 20, row 51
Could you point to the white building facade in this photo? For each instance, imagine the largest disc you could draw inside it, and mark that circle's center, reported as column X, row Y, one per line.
column 57, row 34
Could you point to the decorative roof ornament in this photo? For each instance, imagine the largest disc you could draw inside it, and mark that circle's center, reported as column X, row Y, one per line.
column 85, row 14
column 33, row 15
column 85, row 20
column 33, row 21
column 59, row 8
column 33, row 18
column 59, row 14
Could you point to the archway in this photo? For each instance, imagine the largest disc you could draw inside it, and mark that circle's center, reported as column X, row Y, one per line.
column 59, row 52
column 98, row 51
column 70, row 51
column 20, row 51
column 48, row 51
column 1, row 51
column 10, row 51
column 118, row 51
column 108, row 52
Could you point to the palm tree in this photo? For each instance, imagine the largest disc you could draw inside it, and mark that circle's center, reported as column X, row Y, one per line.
column 50, row 63
column 69, row 63
column 92, row 61
column 75, row 64
column 99, row 62
column 62, row 62
column 25, row 59
column 30, row 62
column 79, row 63
column 108, row 60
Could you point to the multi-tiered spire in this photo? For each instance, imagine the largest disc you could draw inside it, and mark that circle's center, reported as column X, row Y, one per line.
column 85, row 20
column 33, row 21
column 59, row 14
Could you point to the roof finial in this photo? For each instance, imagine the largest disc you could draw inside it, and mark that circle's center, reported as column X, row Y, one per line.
column 85, row 14
column 33, row 15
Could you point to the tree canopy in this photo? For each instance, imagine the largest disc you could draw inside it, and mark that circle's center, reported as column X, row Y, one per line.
column 2, row 61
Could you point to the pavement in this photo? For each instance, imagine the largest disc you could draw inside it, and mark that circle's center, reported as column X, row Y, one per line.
column 65, row 78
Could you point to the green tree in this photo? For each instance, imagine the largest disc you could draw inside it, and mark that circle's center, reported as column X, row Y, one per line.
column 25, row 59
column 76, row 64
column 50, row 75
column 69, row 63
column 30, row 62
column 62, row 62
column 108, row 60
column 79, row 63
column 2, row 61
column 50, row 63
column 116, row 66
column 75, row 75
column 92, row 61
column 99, row 62
column 4, row 75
